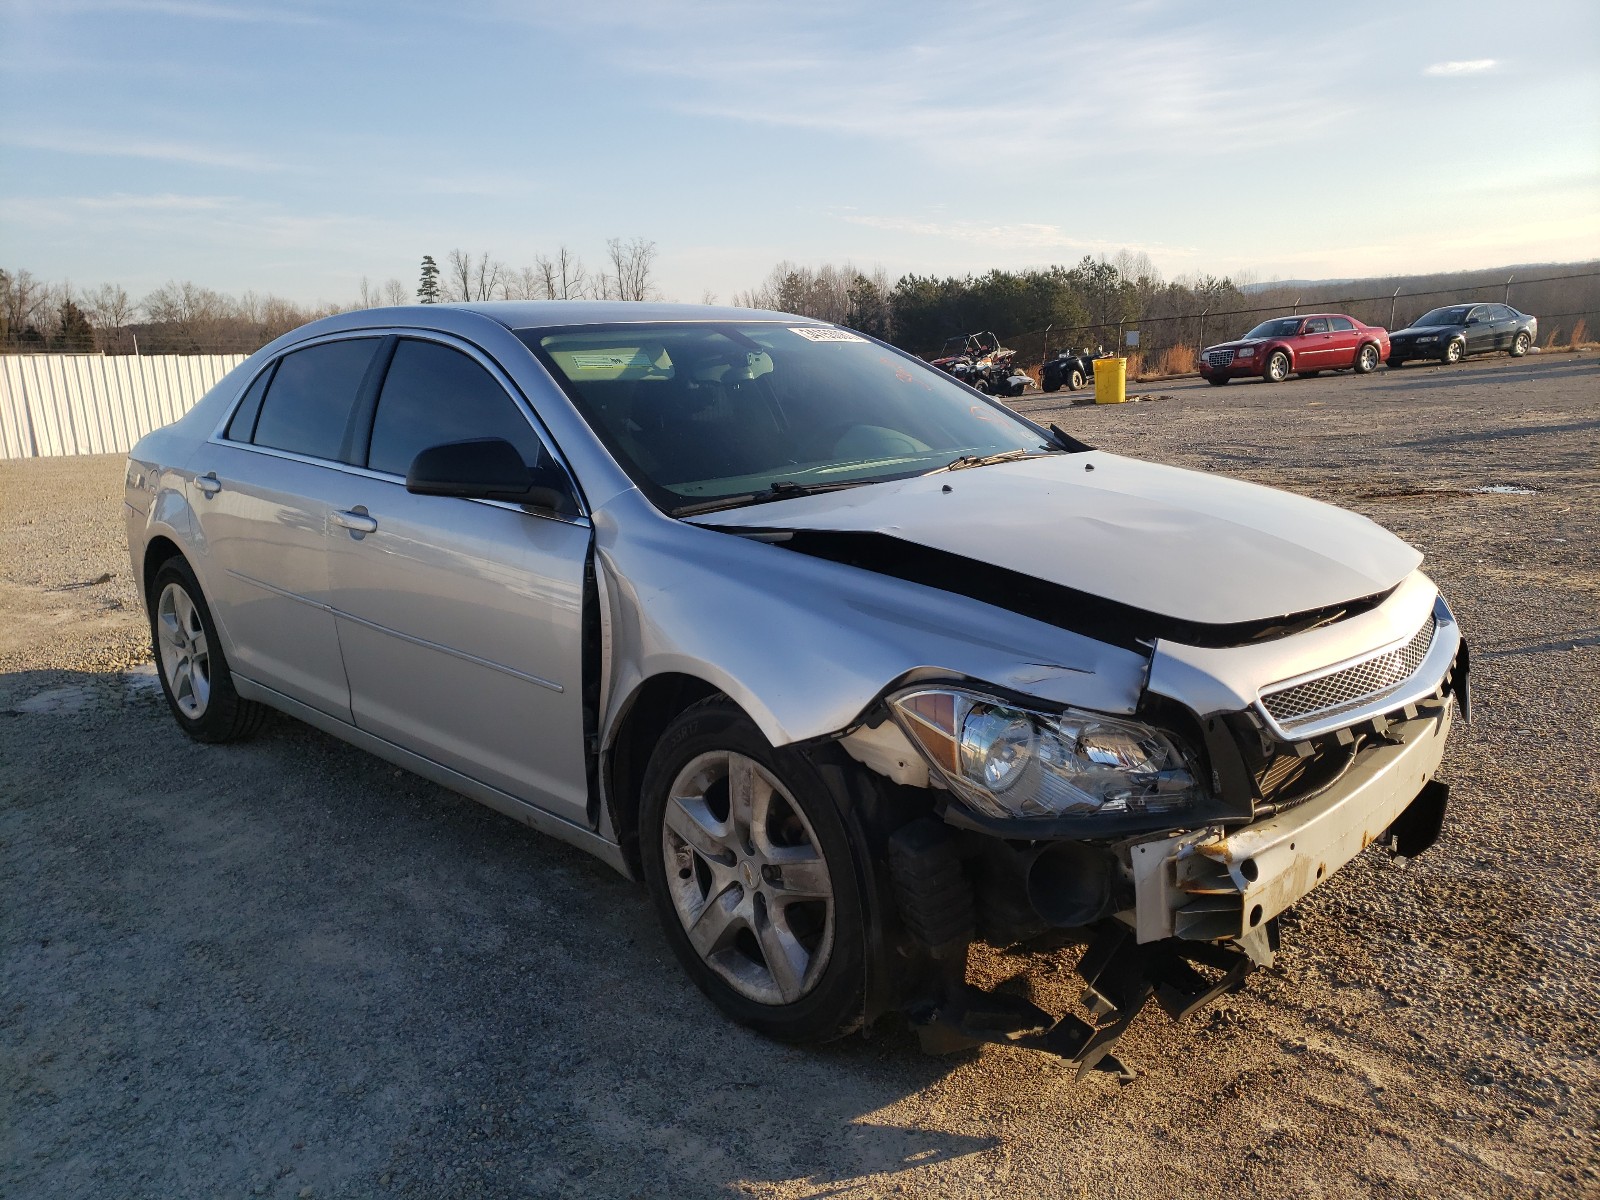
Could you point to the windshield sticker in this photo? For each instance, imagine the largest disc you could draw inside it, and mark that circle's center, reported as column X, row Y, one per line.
column 824, row 333
column 608, row 360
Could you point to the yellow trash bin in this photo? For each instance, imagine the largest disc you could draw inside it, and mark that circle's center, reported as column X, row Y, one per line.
column 1110, row 380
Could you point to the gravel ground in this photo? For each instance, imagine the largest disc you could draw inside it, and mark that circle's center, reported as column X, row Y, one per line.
column 284, row 968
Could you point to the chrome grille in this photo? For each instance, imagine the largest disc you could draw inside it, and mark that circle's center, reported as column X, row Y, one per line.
column 1219, row 358
column 1353, row 687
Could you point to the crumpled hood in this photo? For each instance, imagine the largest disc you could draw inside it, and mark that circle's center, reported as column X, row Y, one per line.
column 1186, row 545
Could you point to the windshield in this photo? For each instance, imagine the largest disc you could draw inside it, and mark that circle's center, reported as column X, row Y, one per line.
column 1454, row 315
column 1277, row 327
column 703, row 412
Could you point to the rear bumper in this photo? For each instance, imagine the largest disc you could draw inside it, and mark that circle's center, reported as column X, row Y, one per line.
column 1206, row 886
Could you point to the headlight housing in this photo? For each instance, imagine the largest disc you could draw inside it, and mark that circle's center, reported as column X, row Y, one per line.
column 1246, row 352
column 1009, row 761
column 1428, row 337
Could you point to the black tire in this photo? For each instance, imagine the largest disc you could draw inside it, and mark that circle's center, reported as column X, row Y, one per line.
column 1309, row 374
column 1075, row 379
column 1454, row 351
column 831, row 1002
column 1216, row 381
column 982, row 385
column 221, row 714
column 1520, row 344
column 1396, row 363
column 1366, row 358
column 1277, row 367
column 1050, row 381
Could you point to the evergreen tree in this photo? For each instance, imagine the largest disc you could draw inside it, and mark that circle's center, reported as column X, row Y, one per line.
column 428, row 293
column 76, row 335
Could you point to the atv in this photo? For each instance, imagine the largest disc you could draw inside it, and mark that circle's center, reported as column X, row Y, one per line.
column 980, row 360
column 1069, row 369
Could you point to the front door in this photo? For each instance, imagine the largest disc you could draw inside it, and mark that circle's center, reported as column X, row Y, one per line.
column 1315, row 346
column 1480, row 329
column 461, row 621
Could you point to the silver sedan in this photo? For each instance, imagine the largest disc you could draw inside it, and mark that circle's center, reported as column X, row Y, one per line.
column 849, row 662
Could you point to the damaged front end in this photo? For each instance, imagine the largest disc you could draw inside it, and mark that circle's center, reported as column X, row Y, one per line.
column 1167, row 844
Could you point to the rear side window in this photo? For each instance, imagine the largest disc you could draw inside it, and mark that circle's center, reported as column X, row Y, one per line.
column 243, row 426
column 433, row 395
column 1342, row 325
column 308, row 404
column 1317, row 325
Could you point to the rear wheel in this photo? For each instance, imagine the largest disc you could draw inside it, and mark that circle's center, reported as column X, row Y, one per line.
column 754, row 876
column 1366, row 359
column 1277, row 367
column 1454, row 350
column 189, row 660
column 1520, row 344
column 1050, row 380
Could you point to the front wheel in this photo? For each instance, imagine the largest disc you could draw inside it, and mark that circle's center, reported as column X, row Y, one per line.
column 1277, row 367
column 1366, row 359
column 1309, row 374
column 754, row 876
column 1075, row 380
column 1217, row 380
column 1454, row 351
column 189, row 659
column 1050, row 381
column 1520, row 344
column 1395, row 364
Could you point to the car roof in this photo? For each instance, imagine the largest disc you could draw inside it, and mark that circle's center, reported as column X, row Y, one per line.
column 524, row 314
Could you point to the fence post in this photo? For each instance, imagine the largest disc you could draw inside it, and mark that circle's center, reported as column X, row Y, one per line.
column 1297, row 306
column 1392, row 301
column 1507, row 299
column 1044, row 355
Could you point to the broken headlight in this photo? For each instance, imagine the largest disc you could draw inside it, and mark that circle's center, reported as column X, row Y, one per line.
column 1007, row 761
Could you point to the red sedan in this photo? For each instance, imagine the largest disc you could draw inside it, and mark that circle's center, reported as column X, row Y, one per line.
column 1307, row 346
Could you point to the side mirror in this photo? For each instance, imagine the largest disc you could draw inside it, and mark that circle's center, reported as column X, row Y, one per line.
column 487, row 469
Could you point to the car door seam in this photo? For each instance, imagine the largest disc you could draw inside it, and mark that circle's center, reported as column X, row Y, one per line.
column 450, row 650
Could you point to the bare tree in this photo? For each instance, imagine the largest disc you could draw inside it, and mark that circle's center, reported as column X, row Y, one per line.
column 24, row 306
column 109, row 308
column 395, row 293
column 631, row 264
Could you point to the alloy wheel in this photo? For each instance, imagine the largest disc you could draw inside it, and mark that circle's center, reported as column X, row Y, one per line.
column 185, row 651
column 747, row 877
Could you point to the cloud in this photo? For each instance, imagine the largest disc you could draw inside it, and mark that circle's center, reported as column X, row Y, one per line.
column 1024, row 235
column 1470, row 67
column 100, row 146
column 200, row 10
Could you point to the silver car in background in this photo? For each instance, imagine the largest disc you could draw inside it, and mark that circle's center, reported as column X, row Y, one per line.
column 850, row 663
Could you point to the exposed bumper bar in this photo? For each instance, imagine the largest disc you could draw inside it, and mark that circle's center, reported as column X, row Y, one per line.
column 1205, row 886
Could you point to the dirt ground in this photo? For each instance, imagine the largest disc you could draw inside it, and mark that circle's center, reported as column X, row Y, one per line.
column 285, row 968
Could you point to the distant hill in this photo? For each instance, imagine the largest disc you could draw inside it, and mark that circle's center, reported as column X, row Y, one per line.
column 1559, row 294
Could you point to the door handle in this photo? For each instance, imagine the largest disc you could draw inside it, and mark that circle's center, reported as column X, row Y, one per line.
column 357, row 521
column 208, row 484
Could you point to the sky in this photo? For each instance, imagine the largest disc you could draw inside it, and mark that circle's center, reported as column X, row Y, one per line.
column 296, row 148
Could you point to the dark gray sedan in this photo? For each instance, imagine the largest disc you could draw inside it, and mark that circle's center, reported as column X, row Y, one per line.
column 1451, row 333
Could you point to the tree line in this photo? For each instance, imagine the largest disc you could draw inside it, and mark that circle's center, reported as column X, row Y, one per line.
column 188, row 318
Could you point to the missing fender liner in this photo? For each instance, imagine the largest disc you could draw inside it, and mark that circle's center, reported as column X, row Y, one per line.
column 1109, row 621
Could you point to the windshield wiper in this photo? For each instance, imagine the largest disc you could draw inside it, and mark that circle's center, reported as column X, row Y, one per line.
column 986, row 460
column 782, row 489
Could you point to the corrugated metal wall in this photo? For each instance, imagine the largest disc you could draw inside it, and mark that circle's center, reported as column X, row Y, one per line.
column 97, row 404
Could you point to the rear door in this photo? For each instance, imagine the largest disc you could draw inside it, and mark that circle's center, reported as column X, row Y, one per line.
column 1342, row 339
column 461, row 620
column 263, row 494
